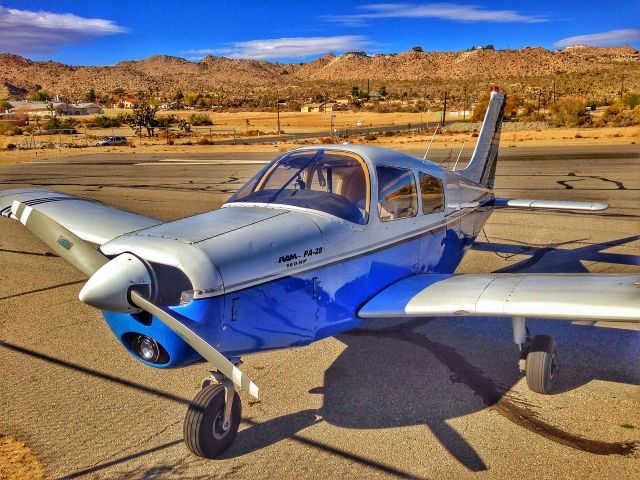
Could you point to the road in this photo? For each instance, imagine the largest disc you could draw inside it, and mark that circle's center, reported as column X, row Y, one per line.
column 442, row 399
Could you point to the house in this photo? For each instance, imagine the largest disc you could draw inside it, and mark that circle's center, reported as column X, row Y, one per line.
column 334, row 107
column 324, row 107
column 32, row 109
column 312, row 107
column 171, row 106
column 129, row 102
column 46, row 109
column 87, row 108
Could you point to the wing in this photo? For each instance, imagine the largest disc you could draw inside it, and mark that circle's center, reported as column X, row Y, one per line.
column 549, row 204
column 555, row 296
column 88, row 219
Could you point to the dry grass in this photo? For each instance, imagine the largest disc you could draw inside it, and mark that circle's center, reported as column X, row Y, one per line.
column 410, row 140
column 292, row 122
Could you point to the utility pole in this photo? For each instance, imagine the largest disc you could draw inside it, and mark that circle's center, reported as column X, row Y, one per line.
column 553, row 95
column 539, row 93
column 622, row 85
column 444, row 109
column 278, row 110
column 464, row 105
column 368, row 91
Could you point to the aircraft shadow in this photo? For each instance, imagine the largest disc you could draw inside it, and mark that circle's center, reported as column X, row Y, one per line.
column 387, row 378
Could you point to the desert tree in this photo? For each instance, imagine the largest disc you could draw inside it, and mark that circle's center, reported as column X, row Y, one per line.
column 91, row 95
column 143, row 117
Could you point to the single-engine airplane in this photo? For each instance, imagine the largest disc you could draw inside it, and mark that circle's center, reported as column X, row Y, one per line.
column 320, row 241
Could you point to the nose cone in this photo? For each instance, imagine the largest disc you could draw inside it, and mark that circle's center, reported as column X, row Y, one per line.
column 108, row 288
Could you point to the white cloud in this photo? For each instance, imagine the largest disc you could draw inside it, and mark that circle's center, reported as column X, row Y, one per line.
column 443, row 11
column 612, row 37
column 297, row 47
column 33, row 33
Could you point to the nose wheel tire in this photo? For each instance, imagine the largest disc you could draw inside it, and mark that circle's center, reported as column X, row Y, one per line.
column 542, row 364
column 204, row 432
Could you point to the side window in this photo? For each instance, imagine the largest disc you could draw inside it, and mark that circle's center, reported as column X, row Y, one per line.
column 397, row 193
column 432, row 194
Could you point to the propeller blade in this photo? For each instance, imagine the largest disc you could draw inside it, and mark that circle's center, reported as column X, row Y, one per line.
column 78, row 252
column 209, row 353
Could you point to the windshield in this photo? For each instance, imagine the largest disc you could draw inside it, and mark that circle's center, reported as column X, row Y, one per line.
column 330, row 181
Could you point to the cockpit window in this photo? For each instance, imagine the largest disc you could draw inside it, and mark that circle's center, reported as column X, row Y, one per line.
column 330, row 181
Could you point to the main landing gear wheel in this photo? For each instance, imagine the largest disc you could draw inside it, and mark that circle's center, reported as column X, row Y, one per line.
column 542, row 364
column 205, row 432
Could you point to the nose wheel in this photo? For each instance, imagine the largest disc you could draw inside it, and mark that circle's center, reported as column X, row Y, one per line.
column 212, row 420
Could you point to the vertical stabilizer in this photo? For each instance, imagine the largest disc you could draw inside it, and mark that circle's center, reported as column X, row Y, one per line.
column 482, row 166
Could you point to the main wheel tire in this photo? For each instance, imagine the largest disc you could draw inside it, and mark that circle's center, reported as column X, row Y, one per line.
column 542, row 364
column 203, row 425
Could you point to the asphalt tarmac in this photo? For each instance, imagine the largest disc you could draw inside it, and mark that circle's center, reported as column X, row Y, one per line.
column 438, row 399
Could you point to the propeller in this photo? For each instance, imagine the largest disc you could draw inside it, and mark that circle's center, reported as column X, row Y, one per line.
column 115, row 284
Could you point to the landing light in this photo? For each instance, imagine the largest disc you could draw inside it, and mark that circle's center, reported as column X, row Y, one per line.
column 148, row 349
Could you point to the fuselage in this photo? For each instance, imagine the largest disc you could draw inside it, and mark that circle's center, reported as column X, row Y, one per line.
column 272, row 275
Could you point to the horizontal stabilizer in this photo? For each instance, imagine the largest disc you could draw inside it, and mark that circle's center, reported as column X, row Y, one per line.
column 88, row 219
column 549, row 204
column 555, row 296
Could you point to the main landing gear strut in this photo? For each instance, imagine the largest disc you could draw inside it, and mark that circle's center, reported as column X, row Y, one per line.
column 538, row 357
column 213, row 417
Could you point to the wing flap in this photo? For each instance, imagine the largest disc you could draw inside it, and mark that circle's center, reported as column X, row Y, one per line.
column 88, row 219
column 554, row 296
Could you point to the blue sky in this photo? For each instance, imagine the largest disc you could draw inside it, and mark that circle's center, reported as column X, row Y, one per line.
column 103, row 33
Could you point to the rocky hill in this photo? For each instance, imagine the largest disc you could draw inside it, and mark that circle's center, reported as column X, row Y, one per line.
column 168, row 74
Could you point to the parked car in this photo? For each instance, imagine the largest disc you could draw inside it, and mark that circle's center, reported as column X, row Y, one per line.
column 112, row 141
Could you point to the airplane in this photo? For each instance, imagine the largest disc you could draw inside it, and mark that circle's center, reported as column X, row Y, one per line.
column 322, row 240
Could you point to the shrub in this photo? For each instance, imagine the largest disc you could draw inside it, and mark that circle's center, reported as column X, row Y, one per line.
column 389, row 133
column 11, row 146
column 203, row 141
column 569, row 112
column 370, row 137
column 631, row 99
column 200, row 119
column 480, row 108
column 58, row 124
column 105, row 122
column 618, row 116
column 9, row 129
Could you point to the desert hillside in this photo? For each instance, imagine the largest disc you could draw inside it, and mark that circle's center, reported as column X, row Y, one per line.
column 20, row 76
